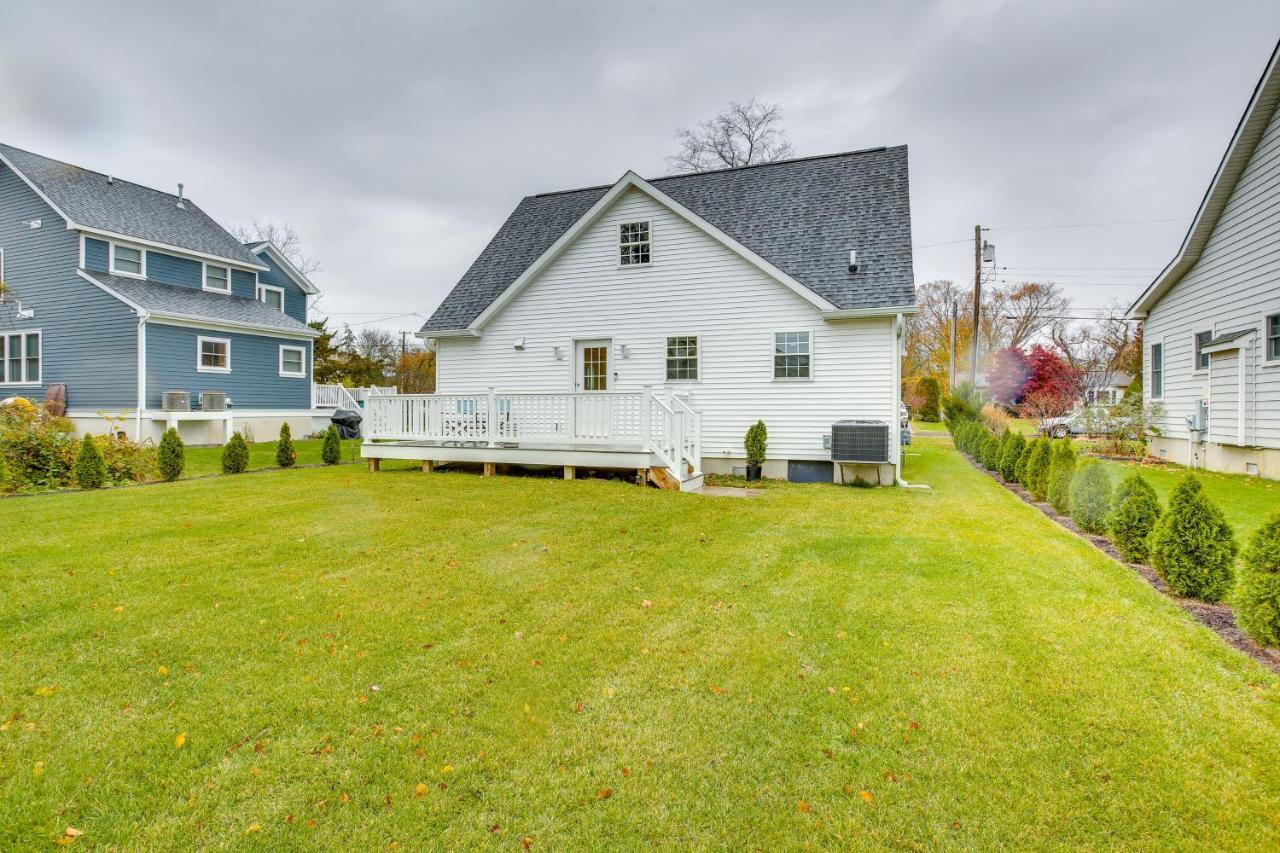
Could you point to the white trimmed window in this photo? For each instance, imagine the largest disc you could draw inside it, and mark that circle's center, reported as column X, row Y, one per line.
column 1202, row 358
column 633, row 244
column 682, row 358
column 213, row 355
column 272, row 296
column 1272, row 330
column 20, row 358
column 1157, row 371
column 293, row 362
column 127, row 260
column 792, row 355
column 217, row 279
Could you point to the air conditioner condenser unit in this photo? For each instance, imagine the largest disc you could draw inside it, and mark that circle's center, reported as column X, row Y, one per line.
column 176, row 401
column 860, row 441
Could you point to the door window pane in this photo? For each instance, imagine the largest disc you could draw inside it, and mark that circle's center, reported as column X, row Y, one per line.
column 595, row 368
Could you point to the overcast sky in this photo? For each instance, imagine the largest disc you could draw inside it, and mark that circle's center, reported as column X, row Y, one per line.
column 396, row 137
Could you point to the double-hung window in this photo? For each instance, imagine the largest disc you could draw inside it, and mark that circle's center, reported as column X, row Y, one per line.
column 1272, row 329
column 213, row 355
column 682, row 358
column 217, row 279
column 20, row 358
column 1157, row 371
column 293, row 362
column 272, row 296
column 633, row 244
column 126, row 260
column 792, row 355
column 1202, row 358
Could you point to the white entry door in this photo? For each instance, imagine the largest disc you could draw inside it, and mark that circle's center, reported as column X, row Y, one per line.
column 592, row 373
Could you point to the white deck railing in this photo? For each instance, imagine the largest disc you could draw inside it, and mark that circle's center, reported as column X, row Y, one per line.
column 342, row 397
column 663, row 425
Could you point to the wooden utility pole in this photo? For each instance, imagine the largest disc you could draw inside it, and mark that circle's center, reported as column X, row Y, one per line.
column 977, row 304
column 955, row 320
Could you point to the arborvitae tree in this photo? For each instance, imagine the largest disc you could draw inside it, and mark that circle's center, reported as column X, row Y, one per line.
column 1038, row 468
column 1020, row 470
column 1011, row 455
column 172, row 457
column 235, row 455
column 331, row 451
column 1090, row 497
column 1062, row 467
column 929, row 389
column 756, row 444
column 1134, row 513
column 90, row 470
column 991, row 452
column 285, row 455
column 1257, row 595
column 1192, row 546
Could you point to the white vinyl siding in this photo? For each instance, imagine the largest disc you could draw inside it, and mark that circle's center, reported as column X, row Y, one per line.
column 700, row 286
column 1235, row 285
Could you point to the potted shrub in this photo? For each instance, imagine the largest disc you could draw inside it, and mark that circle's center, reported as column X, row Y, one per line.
column 756, row 443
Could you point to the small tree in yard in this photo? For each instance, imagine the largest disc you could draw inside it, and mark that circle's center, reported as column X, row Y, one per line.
column 90, row 469
column 1090, row 497
column 1192, row 547
column 1037, row 475
column 172, row 456
column 931, row 391
column 1134, row 513
column 1062, row 467
column 1257, row 596
column 331, row 451
column 1011, row 455
column 1020, row 470
column 285, row 454
column 235, row 455
column 988, row 452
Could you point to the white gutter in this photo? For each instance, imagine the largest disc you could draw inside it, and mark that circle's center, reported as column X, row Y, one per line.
column 898, row 311
column 142, row 371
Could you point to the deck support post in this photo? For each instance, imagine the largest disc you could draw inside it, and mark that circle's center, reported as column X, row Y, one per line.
column 642, row 476
column 490, row 469
column 570, row 472
column 428, row 466
column 374, row 464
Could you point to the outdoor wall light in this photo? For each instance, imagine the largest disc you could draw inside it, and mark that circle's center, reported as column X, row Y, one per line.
column 624, row 351
column 558, row 352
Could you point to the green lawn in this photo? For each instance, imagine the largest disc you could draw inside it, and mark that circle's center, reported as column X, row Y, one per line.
column 1246, row 501
column 331, row 658
column 202, row 461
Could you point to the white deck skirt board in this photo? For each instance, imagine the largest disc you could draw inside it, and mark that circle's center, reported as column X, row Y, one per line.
column 580, row 457
column 694, row 286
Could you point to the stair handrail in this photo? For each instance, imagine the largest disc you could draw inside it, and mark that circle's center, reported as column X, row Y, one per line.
column 691, row 448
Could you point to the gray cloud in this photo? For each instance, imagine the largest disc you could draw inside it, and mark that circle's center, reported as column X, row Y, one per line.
column 397, row 136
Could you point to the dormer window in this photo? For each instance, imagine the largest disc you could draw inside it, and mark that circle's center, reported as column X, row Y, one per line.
column 126, row 260
column 633, row 243
column 217, row 279
column 272, row 296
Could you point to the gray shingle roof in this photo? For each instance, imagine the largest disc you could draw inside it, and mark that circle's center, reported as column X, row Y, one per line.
column 188, row 302
column 803, row 216
column 1227, row 337
column 126, row 208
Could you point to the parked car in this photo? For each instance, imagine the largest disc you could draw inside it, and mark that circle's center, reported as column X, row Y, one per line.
column 1080, row 422
column 904, row 415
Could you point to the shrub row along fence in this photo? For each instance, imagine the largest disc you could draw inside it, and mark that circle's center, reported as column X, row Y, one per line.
column 40, row 452
column 1188, row 543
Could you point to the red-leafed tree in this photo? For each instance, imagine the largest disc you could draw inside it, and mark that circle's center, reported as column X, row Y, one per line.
column 1008, row 376
column 1051, row 380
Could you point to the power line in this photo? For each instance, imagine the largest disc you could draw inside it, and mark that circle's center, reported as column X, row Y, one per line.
column 1048, row 267
column 1086, row 224
column 948, row 243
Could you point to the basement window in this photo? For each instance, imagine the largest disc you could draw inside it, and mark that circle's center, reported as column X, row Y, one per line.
column 633, row 244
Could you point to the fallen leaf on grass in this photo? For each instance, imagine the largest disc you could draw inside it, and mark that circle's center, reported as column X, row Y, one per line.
column 804, row 807
column 866, row 796
column 604, row 793
column 46, row 691
column 420, row 790
column 252, row 828
column 179, row 739
column 526, row 842
column 346, row 798
column 72, row 832
column 716, row 689
column 646, row 603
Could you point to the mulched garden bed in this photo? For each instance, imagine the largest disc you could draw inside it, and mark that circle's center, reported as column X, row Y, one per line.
column 1216, row 617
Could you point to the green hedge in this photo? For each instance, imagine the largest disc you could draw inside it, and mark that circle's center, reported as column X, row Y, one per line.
column 1257, row 596
column 1062, row 467
column 1192, row 546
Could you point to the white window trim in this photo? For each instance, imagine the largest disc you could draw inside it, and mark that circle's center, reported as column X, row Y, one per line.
column 773, row 344
column 111, row 260
column 698, row 357
column 262, row 288
column 1196, row 369
column 1149, row 390
column 1, row 263
column 1266, row 360
column 4, row 367
column 302, row 357
column 204, row 278
column 200, row 368
column 617, row 247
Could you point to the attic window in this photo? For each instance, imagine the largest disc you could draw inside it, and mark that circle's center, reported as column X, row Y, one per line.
column 126, row 260
column 633, row 243
column 217, row 278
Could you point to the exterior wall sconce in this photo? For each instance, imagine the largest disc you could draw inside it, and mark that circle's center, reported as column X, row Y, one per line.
column 624, row 351
column 558, row 352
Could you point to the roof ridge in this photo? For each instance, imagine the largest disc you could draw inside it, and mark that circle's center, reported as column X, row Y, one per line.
column 806, row 159
column 105, row 175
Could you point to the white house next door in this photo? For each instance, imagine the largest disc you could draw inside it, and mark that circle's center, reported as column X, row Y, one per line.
column 592, row 359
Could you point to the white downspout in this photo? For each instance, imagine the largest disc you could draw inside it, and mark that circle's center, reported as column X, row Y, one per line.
column 142, row 372
column 899, row 328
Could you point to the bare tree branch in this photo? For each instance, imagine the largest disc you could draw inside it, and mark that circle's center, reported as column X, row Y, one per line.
column 284, row 237
column 745, row 133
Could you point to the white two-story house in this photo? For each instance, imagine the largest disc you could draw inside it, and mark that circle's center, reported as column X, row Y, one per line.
column 1211, row 319
column 669, row 315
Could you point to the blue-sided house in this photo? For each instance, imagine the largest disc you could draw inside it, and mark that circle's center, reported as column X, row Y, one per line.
column 139, row 309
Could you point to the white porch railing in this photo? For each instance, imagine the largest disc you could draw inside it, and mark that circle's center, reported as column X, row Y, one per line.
column 342, row 397
column 663, row 425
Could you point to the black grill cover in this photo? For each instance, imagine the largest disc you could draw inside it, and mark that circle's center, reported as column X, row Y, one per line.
column 347, row 422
